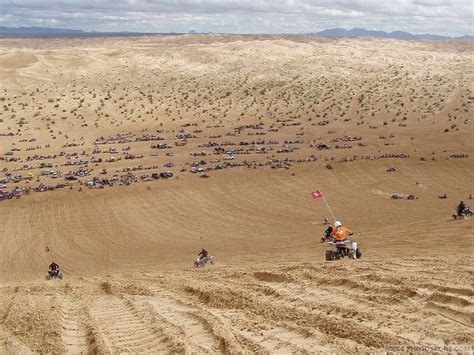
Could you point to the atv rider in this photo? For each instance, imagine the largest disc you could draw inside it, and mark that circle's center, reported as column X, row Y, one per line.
column 53, row 269
column 339, row 232
column 203, row 254
column 461, row 207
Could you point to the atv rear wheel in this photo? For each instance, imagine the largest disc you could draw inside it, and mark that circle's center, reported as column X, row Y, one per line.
column 329, row 255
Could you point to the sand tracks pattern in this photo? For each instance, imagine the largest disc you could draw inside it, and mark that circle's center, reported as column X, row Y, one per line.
column 292, row 308
column 186, row 322
column 125, row 328
column 455, row 305
column 76, row 336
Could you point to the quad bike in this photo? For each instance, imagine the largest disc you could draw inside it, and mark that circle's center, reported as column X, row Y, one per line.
column 54, row 274
column 466, row 212
column 201, row 262
column 340, row 248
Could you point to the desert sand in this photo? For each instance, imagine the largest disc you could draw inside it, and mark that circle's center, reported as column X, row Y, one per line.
column 120, row 158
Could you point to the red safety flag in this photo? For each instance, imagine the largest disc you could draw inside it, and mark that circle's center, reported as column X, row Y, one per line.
column 316, row 194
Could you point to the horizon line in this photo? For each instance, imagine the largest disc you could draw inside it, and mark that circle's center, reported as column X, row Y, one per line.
column 192, row 31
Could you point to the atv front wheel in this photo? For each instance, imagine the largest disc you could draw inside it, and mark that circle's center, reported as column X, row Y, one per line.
column 358, row 253
column 329, row 255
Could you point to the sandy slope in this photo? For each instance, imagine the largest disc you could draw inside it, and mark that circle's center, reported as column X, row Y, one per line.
column 391, row 304
column 269, row 291
column 127, row 251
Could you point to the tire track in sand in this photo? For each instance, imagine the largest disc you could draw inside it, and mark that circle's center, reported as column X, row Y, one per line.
column 211, row 333
column 124, row 329
column 182, row 322
column 76, row 337
column 240, row 331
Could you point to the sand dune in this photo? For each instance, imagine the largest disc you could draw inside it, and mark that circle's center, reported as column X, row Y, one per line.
column 248, row 126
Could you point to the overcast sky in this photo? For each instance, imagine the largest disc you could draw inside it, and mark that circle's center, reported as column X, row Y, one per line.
column 444, row 17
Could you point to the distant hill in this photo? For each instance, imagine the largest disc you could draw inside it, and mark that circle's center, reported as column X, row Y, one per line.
column 361, row 32
column 38, row 31
column 62, row 32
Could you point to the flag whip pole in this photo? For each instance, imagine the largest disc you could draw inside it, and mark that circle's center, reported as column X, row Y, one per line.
column 329, row 208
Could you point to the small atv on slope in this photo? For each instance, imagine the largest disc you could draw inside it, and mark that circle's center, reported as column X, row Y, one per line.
column 340, row 248
column 465, row 213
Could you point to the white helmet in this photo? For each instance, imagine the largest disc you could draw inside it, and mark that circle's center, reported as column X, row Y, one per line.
column 337, row 224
